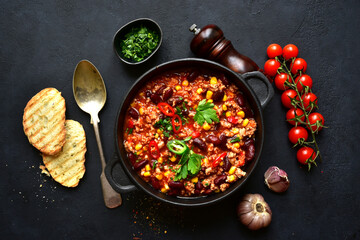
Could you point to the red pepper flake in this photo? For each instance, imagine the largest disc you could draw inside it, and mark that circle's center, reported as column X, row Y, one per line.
column 154, row 149
column 177, row 123
column 232, row 120
column 166, row 109
column 218, row 159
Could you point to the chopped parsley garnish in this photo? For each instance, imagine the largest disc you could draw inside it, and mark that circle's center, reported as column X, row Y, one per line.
column 187, row 139
column 235, row 140
column 205, row 112
column 139, row 43
column 154, row 164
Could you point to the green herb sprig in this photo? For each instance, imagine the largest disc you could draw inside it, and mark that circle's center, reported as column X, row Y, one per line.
column 205, row 112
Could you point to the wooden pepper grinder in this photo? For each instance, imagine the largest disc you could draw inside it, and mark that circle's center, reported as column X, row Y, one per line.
column 209, row 42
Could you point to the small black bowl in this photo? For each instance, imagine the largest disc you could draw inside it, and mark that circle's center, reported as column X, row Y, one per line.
column 120, row 35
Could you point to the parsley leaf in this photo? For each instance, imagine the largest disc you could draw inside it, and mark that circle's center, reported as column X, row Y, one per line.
column 205, row 112
column 237, row 139
column 190, row 163
column 194, row 164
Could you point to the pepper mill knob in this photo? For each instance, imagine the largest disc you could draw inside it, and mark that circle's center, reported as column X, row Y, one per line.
column 209, row 42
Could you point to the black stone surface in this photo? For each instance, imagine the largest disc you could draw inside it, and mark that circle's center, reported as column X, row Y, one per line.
column 42, row 41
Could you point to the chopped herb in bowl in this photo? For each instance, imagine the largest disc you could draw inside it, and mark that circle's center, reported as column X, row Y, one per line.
column 139, row 43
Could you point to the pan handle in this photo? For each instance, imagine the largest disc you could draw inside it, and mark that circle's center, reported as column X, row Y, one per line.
column 109, row 175
column 261, row 86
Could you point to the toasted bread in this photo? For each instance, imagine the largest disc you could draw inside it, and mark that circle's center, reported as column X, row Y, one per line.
column 44, row 121
column 68, row 167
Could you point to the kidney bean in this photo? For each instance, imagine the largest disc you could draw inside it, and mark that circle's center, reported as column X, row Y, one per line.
column 196, row 192
column 160, row 90
column 208, row 191
column 217, row 126
column 200, row 144
column 248, row 141
column 155, row 183
column 133, row 112
column 192, row 76
column 167, row 94
column 148, row 93
column 140, row 165
column 185, row 112
column 176, row 185
column 156, row 98
column 223, row 139
column 248, row 112
column 199, row 186
column 227, row 164
column 250, row 152
column 214, row 139
column 224, row 80
column 174, row 192
column 220, row 180
column 240, row 100
column 218, row 95
column 132, row 157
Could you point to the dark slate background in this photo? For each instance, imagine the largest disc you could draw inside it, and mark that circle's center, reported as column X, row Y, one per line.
column 42, row 41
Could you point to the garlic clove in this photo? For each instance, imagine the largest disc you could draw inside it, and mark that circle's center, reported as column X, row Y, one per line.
column 276, row 179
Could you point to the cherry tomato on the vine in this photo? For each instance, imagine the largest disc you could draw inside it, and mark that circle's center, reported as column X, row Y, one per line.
column 292, row 113
column 274, row 50
column 308, row 99
column 285, row 97
column 315, row 117
column 290, row 51
column 271, row 66
column 280, row 80
column 296, row 133
column 303, row 81
column 304, row 155
column 298, row 65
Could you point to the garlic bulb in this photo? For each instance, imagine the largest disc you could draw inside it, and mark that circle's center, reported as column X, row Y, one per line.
column 254, row 212
column 276, row 179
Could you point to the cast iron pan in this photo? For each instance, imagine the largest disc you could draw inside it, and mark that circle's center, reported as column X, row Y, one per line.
column 254, row 86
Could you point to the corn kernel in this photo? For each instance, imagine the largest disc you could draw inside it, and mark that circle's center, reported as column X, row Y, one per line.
column 147, row 174
column 185, row 83
column 206, row 126
column 235, row 130
column 215, row 107
column 216, row 190
column 209, row 94
column 178, row 87
column 144, row 148
column 147, row 167
column 221, row 163
column 213, row 80
column 210, row 100
column 167, row 173
column 232, row 170
column 173, row 159
column 241, row 114
column 159, row 176
column 245, row 122
column 142, row 94
column 162, row 135
column 237, row 145
column 166, row 186
column 156, row 135
column 231, row 178
column 160, row 160
column 224, row 107
column 138, row 146
column 199, row 91
column 164, row 190
column 205, row 161
column 228, row 114
column 141, row 111
column 195, row 180
column 224, row 98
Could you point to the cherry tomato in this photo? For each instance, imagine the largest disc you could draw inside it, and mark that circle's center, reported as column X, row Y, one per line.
column 303, row 81
column 280, row 80
column 305, row 154
column 296, row 133
column 308, row 99
column 314, row 118
column 271, row 66
column 290, row 51
column 298, row 65
column 274, row 50
column 285, row 97
column 292, row 113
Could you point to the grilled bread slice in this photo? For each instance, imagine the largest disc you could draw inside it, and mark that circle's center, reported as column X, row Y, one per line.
column 68, row 167
column 44, row 121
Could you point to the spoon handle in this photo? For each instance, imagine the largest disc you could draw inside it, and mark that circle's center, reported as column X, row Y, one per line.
column 112, row 198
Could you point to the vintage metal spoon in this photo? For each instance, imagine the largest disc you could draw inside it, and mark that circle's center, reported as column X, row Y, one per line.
column 90, row 94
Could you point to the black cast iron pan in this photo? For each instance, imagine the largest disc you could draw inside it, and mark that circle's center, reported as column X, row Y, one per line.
column 254, row 86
